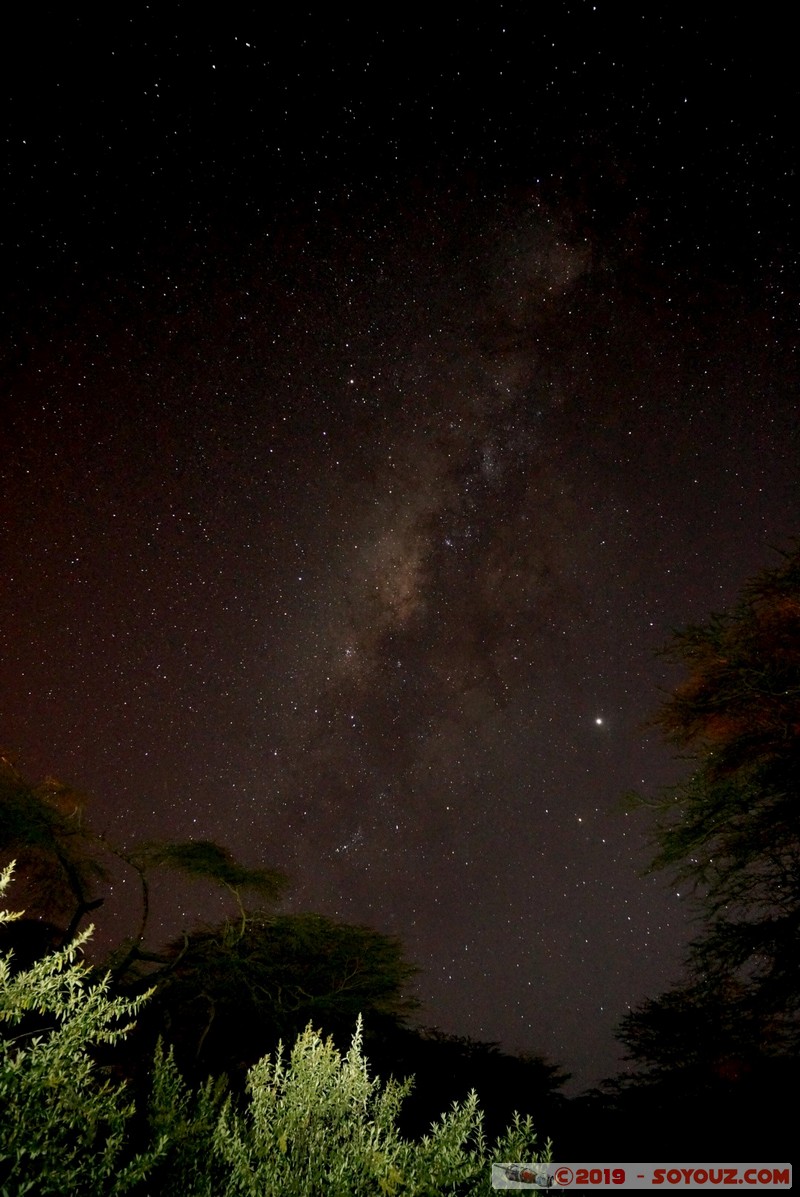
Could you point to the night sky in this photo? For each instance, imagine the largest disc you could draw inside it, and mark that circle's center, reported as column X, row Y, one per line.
column 378, row 394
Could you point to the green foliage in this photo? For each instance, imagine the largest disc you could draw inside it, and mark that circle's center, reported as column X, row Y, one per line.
column 64, row 1128
column 318, row 1123
column 185, row 1121
column 314, row 1124
column 321, row 1124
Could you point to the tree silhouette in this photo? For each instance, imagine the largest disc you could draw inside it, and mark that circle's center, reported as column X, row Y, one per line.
column 199, row 859
column 729, row 835
column 228, row 995
column 731, row 832
column 60, row 862
column 63, row 866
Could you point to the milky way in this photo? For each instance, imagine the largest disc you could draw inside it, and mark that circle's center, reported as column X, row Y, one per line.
column 439, row 573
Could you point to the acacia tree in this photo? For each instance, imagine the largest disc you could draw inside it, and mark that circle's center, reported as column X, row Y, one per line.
column 64, row 864
column 231, row 993
column 198, row 859
column 59, row 860
column 731, row 831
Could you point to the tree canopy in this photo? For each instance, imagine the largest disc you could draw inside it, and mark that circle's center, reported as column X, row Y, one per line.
column 59, row 860
column 731, row 832
column 230, row 994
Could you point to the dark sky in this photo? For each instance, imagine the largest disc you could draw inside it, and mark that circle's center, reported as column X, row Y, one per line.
column 378, row 394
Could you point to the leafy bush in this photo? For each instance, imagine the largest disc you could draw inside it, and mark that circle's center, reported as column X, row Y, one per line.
column 185, row 1119
column 64, row 1128
column 320, row 1124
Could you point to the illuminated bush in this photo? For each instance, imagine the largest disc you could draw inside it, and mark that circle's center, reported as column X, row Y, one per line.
column 64, row 1127
column 318, row 1123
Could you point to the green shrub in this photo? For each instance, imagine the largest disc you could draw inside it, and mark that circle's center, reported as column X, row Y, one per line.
column 320, row 1125
column 185, row 1119
column 63, row 1126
